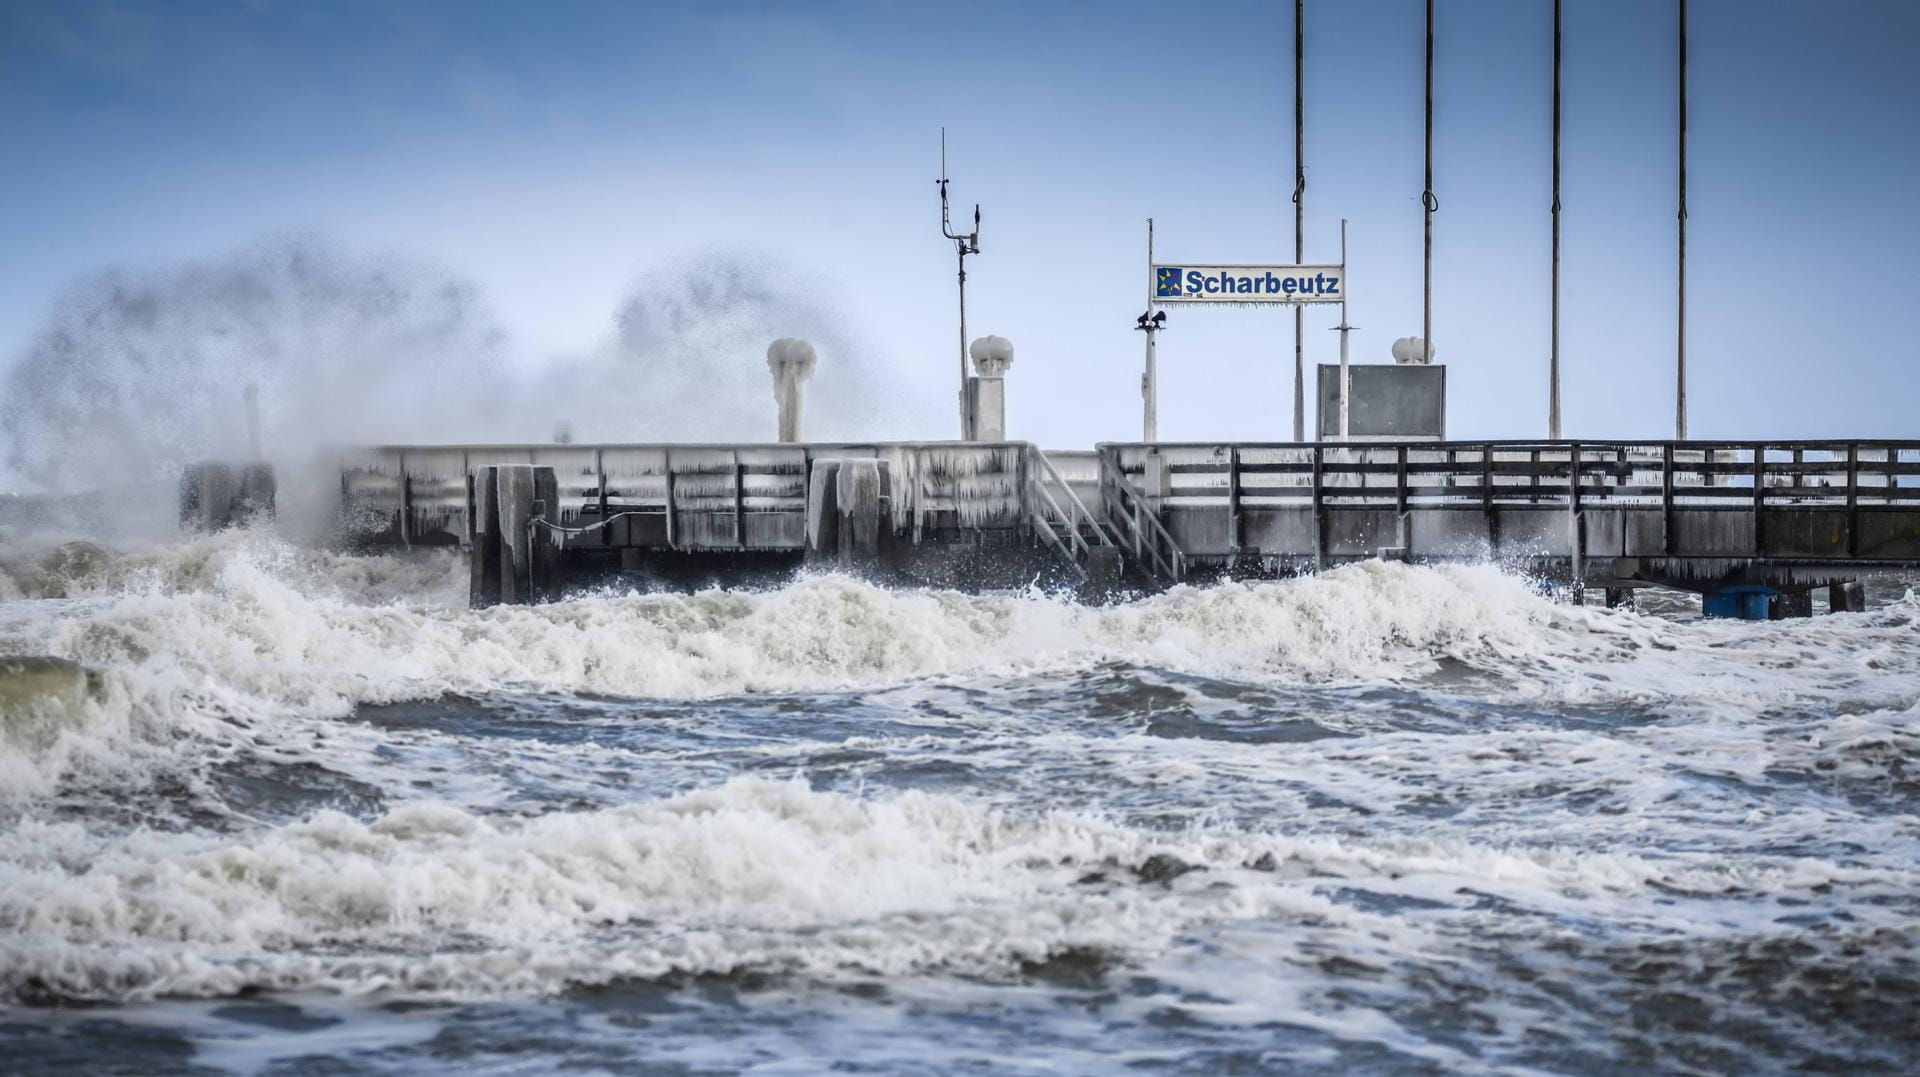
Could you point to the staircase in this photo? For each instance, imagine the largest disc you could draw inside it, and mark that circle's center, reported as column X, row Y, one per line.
column 1137, row 527
column 1067, row 527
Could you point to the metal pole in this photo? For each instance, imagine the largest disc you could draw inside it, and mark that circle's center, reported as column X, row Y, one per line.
column 1150, row 416
column 1553, row 366
column 252, row 396
column 966, row 413
column 1428, row 203
column 1299, row 211
column 1680, row 381
column 1346, row 379
column 964, row 244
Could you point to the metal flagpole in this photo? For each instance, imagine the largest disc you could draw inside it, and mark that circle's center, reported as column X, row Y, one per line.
column 1429, row 203
column 1299, row 210
column 1553, row 377
column 1150, row 386
column 1680, row 382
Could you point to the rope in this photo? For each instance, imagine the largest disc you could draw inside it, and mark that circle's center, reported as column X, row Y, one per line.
column 542, row 521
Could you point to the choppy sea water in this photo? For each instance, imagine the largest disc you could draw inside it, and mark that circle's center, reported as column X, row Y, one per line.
column 322, row 819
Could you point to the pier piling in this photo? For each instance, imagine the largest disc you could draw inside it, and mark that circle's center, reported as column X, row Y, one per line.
column 1848, row 597
column 214, row 496
column 513, row 557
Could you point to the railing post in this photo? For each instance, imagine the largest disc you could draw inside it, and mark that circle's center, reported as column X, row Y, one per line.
column 1666, row 499
column 739, row 501
column 1319, row 527
column 1853, row 499
column 1233, row 496
column 673, row 532
column 406, row 503
column 1402, row 524
column 600, row 477
column 1576, row 540
column 1759, row 498
column 1486, row 499
column 1573, row 476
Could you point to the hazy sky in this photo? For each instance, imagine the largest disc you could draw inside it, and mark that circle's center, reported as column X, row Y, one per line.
column 557, row 153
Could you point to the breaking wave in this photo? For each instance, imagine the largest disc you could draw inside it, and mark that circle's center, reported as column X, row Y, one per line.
column 242, row 629
column 750, row 876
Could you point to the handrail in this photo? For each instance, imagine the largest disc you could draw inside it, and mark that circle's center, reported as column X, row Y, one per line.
column 1124, row 490
column 1034, row 485
column 1053, row 475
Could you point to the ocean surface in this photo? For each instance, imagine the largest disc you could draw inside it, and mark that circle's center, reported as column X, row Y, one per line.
column 319, row 818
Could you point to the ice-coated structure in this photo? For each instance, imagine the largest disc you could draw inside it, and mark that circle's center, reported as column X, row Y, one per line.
column 791, row 362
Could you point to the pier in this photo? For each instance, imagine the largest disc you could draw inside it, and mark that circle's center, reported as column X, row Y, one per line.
column 1753, row 527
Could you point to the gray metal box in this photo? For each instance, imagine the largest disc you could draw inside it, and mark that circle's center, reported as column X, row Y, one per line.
column 1390, row 400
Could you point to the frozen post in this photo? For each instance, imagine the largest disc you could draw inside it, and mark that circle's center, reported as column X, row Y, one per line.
column 253, row 422
column 792, row 362
column 987, row 392
column 513, row 558
column 216, row 495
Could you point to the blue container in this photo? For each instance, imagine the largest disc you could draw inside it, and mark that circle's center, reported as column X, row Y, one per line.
column 1745, row 603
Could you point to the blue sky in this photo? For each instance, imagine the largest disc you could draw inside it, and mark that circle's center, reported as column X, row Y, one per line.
column 557, row 154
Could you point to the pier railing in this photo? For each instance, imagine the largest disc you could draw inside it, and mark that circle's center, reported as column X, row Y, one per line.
column 1175, row 508
column 1564, row 501
column 726, row 497
column 1408, row 475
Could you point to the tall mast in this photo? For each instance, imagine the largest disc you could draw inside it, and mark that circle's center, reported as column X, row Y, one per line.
column 1553, row 362
column 1299, row 215
column 1428, row 203
column 1680, row 343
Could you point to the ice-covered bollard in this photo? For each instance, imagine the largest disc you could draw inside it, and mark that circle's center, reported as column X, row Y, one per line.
column 791, row 362
column 987, row 392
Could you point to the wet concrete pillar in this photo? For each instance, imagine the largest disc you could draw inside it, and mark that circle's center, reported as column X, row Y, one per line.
column 1848, row 597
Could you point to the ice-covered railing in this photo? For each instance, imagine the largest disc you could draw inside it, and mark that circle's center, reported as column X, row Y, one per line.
column 1417, row 474
column 707, row 496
